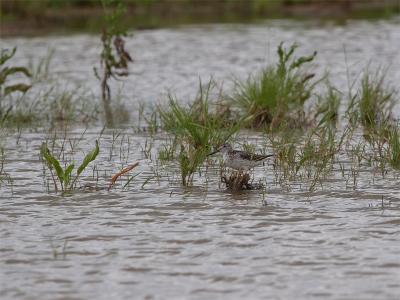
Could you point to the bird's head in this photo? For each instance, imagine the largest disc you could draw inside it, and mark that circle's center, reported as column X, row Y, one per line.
column 223, row 149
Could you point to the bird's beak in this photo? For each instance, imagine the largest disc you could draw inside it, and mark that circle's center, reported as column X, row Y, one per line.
column 212, row 153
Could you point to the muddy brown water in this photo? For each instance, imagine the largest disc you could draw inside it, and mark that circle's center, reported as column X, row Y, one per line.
column 154, row 239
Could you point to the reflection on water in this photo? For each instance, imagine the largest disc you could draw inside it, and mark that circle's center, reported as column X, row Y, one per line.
column 158, row 240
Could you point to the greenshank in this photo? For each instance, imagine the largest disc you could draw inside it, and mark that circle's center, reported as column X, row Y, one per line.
column 240, row 160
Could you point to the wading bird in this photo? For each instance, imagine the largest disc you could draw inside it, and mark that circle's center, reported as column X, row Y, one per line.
column 240, row 160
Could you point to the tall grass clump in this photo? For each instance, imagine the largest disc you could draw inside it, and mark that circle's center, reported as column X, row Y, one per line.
column 304, row 157
column 309, row 155
column 278, row 93
column 375, row 100
column 196, row 128
column 371, row 110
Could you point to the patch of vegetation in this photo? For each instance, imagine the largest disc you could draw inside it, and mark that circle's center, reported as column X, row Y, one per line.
column 43, row 101
column 197, row 128
column 371, row 110
column 114, row 58
column 393, row 148
column 6, row 89
column 4, row 176
column 67, row 181
column 277, row 94
column 51, row 106
column 375, row 100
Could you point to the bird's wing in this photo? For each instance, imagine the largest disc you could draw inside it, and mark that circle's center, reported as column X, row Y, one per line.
column 255, row 157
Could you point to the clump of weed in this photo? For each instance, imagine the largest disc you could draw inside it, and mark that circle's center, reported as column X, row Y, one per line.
column 375, row 100
column 317, row 155
column 197, row 128
column 327, row 107
column 393, row 148
column 309, row 155
column 8, row 89
column 66, row 180
column 370, row 109
column 4, row 176
column 114, row 58
column 52, row 106
column 68, row 106
column 47, row 101
column 150, row 120
column 278, row 93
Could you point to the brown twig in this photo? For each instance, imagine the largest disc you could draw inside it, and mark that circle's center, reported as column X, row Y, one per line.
column 120, row 173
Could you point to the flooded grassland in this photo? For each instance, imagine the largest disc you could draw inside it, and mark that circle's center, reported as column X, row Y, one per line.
column 149, row 236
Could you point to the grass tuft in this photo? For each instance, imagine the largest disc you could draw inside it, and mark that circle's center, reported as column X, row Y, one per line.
column 197, row 128
column 278, row 93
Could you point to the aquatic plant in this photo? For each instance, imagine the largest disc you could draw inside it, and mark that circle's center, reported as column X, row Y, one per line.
column 5, row 73
column 370, row 109
column 48, row 101
column 114, row 58
column 375, row 100
column 4, row 176
column 393, row 148
column 147, row 119
column 305, row 156
column 51, row 105
column 196, row 129
column 64, row 175
column 327, row 107
column 278, row 93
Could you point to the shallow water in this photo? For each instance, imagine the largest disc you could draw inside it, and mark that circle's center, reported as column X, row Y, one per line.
column 157, row 240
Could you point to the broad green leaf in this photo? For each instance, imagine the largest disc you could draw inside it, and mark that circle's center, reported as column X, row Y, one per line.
column 67, row 174
column 52, row 161
column 91, row 156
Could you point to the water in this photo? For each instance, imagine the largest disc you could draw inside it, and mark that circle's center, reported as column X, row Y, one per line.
column 158, row 240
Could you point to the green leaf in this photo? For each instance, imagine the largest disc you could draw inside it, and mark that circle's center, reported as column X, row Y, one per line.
column 13, row 70
column 91, row 156
column 67, row 174
column 6, row 55
column 20, row 87
column 52, row 162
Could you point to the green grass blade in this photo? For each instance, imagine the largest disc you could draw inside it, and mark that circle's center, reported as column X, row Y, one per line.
column 91, row 156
